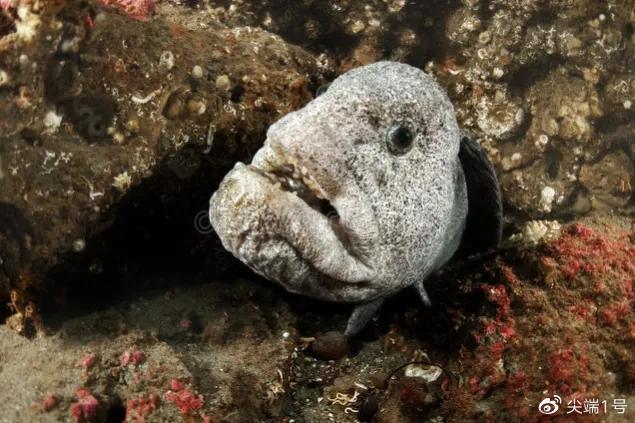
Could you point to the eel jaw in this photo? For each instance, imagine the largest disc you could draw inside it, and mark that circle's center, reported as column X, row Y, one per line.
column 272, row 212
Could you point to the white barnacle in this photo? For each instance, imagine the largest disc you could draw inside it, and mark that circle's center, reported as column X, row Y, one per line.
column 122, row 182
column 52, row 120
column 427, row 373
column 547, row 195
column 166, row 61
column 4, row 78
column 539, row 230
column 26, row 25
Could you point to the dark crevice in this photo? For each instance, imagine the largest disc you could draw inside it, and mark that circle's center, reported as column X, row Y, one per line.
column 524, row 77
column 432, row 43
column 116, row 412
column 485, row 12
column 16, row 236
column 553, row 157
column 151, row 240
column 7, row 22
column 544, row 18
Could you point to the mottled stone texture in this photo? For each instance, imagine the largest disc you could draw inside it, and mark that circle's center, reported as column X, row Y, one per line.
column 98, row 109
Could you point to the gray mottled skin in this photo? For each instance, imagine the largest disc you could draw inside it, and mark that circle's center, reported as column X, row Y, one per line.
column 400, row 216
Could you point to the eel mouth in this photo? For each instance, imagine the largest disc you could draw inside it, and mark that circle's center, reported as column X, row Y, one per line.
column 298, row 181
column 290, row 205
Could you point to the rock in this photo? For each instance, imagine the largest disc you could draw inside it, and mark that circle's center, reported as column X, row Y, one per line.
column 146, row 363
column 223, row 83
column 427, row 373
column 88, row 162
column 610, row 181
column 414, row 393
column 330, row 346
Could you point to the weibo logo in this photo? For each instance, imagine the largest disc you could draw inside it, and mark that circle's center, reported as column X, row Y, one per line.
column 549, row 405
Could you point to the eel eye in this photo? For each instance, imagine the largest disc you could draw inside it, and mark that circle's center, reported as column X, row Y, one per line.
column 399, row 138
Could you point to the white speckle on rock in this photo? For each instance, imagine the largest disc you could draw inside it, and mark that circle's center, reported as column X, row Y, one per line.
column 70, row 46
column 427, row 373
column 79, row 245
column 519, row 117
column 223, row 83
column 4, row 78
column 118, row 138
column 547, row 195
column 539, row 230
column 267, row 21
column 122, row 182
column 166, row 61
column 627, row 104
column 512, row 162
column 197, row 72
column 357, row 27
column 541, row 142
column 52, row 120
column 26, row 25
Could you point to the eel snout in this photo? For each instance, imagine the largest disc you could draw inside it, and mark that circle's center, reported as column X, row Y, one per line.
column 275, row 216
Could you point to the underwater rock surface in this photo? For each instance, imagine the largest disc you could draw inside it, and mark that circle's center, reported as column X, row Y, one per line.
column 119, row 118
column 98, row 109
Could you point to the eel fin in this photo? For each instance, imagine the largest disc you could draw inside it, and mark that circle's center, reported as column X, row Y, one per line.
column 425, row 298
column 322, row 89
column 361, row 315
column 484, row 223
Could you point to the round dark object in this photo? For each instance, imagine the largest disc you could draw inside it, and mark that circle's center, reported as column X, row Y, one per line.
column 330, row 346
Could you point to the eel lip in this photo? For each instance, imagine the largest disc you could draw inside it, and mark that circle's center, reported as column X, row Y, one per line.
column 299, row 213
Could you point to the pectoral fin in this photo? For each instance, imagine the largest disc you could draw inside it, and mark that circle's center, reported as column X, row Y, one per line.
column 361, row 315
column 484, row 225
column 423, row 294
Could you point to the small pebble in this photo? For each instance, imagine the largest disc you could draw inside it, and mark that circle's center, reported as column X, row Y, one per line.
column 4, row 78
column 79, row 245
column 330, row 346
column 223, row 83
column 197, row 72
column 413, row 391
column 196, row 106
column 52, row 120
column 428, row 373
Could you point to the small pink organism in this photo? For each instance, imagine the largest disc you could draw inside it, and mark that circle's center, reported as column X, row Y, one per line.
column 88, row 361
column 135, row 9
column 86, row 407
column 133, row 356
column 185, row 324
column 188, row 402
column 138, row 409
